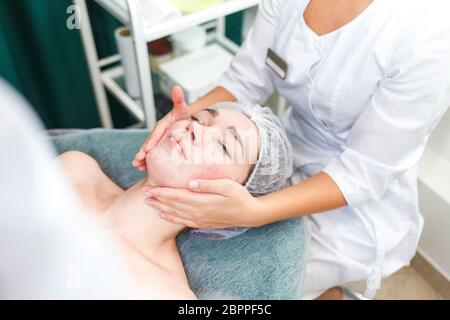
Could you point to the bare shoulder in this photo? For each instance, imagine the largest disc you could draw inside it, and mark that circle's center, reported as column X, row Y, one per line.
column 78, row 165
column 77, row 156
column 88, row 179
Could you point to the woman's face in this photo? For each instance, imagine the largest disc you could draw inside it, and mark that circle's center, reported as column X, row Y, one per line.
column 213, row 144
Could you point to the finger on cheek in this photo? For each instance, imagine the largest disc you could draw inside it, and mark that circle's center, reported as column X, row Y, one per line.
column 150, row 145
column 141, row 155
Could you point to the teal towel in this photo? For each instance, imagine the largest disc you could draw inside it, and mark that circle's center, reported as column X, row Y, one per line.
column 263, row 263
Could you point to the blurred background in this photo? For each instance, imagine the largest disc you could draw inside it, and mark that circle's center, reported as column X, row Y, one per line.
column 46, row 62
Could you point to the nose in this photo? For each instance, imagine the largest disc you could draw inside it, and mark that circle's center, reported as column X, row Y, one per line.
column 195, row 131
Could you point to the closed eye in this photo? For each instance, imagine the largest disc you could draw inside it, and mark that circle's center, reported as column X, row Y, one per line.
column 224, row 147
column 225, row 150
column 195, row 119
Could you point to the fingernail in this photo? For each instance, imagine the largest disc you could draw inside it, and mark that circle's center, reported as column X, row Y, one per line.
column 146, row 191
column 193, row 184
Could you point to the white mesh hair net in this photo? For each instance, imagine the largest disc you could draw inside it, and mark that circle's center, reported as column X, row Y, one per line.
column 273, row 167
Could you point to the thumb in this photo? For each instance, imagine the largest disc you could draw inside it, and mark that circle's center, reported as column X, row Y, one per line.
column 219, row 186
column 180, row 108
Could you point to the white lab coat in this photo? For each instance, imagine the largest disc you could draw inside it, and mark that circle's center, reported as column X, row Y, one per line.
column 363, row 100
column 49, row 248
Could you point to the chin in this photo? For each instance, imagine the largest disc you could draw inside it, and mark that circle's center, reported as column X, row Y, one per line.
column 163, row 171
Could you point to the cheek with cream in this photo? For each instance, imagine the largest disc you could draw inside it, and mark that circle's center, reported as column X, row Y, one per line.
column 165, row 173
column 164, row 170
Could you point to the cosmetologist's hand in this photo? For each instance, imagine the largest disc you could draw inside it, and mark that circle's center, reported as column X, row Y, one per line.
column 207, row 204
column 180, row 112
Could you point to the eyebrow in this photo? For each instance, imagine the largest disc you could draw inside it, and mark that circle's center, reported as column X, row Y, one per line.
column 213, row 112
column 237, row 137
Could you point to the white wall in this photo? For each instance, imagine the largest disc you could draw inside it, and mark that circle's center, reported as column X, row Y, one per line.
column 440, row 138
column 434, row 192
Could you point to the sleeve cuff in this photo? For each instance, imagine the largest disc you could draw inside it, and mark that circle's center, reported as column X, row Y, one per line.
column 343, row 180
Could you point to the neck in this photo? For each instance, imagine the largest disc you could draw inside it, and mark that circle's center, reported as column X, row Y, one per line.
column 140, row 225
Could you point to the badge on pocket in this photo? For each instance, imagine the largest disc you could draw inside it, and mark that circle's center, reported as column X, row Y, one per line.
column 276, row 64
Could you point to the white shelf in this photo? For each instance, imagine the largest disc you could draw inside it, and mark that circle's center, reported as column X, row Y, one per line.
column 128, row 12
column 171, row 26
column 109, row 79
column 112, row 78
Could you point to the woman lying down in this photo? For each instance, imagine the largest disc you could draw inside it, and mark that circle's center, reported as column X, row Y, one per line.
column 220, row 142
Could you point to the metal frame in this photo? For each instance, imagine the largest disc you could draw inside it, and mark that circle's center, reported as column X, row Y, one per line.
column 94, row 67
column 353, row 294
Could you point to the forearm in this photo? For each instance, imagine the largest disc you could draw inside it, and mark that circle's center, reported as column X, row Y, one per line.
column 316, row 194
column 218, row 94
